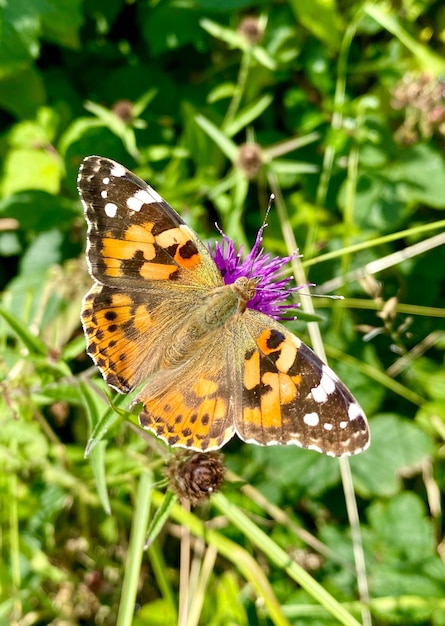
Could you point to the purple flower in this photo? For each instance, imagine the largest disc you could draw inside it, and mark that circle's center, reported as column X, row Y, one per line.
column 272, row 290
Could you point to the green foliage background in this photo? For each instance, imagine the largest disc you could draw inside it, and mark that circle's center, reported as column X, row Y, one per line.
column 344, row 106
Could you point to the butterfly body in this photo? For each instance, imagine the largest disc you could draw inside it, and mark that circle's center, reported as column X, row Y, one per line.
column 160, row 318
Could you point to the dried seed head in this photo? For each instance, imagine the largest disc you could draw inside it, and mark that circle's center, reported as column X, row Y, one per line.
column 196, row 477
column 250, row 159
column 124, row 110
column 251, row 29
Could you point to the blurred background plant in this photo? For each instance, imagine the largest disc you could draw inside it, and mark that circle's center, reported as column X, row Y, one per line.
column 339, row 110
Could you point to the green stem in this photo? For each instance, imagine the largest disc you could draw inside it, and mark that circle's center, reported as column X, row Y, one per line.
column 135, row 550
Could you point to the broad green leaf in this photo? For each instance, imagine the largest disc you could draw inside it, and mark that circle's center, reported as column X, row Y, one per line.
column 61, row 21
column 397, row 446
column 401, row 523
column 37, row 211
column 22, row 92
column 31, row 169
column 21, row 29
column 321, row 18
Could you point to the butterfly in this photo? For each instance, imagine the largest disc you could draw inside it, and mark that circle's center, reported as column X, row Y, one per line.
column 159, row 317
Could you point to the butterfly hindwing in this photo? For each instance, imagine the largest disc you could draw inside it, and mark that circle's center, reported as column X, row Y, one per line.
column 189, row 410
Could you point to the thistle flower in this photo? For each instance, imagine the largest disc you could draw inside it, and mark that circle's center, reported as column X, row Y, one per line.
column 273, row 288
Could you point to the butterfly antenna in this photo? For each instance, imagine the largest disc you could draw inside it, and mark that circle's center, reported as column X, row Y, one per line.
column 322, row 295
column 259, row 238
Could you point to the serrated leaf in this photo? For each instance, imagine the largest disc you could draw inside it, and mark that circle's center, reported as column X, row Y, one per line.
column 396, row 445
column 401, row 523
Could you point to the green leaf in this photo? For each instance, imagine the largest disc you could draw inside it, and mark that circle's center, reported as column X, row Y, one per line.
column 161, row 517
column 39, row 211
column 402, row 525
column 43, row 252
column 31, row 169
column 289, row 468
column 61, row 21
column 248, row 114
column 33, row 344
column 397, row 446
column 20, row 31
column 97, row 460
column 224, row 607
column 23, row 92
column 22, row 445
column 101, row 416
column 229, row 148
column 321, row 18
column 167, row 26
column 388, row 18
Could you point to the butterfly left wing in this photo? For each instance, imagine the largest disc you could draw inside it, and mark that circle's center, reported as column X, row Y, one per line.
column 150, row 270
column 291, row 397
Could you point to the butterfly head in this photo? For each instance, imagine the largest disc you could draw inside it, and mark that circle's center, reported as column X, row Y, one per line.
column 245, row 289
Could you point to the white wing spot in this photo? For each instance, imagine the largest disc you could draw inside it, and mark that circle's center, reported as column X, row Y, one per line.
column 118, row 170
column 106, row 180
column 141, row 197
column 327, row 426
column 104, row 193
column 326, row 387
column 110, row 209
column 354, row 411
column 343, row 424
column 311, row 419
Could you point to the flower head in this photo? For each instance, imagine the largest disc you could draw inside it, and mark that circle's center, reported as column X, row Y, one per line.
column 195, row 477
column 272, row 289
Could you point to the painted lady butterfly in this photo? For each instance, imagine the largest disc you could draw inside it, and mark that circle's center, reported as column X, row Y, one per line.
column 159, row 316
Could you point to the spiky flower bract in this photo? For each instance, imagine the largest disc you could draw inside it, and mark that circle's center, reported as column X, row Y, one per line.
column 272, row 290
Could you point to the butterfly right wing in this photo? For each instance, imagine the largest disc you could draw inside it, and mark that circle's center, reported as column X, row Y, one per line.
column 290, row 396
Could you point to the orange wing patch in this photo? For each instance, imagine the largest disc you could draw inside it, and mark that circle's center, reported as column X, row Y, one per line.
column 187, row 409
column 113, row 325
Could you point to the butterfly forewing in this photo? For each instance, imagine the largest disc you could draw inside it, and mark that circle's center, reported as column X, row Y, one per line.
column 134, row 236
